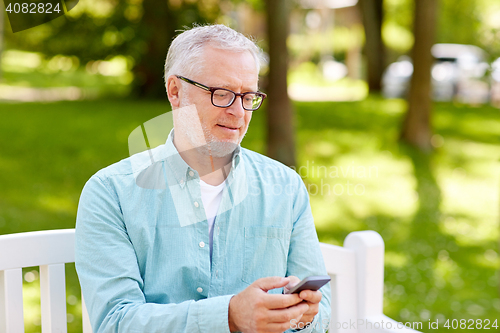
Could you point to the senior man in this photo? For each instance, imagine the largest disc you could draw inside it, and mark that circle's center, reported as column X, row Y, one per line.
column 208, row 235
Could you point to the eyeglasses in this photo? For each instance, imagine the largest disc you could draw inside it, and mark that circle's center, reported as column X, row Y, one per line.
column 224, row 98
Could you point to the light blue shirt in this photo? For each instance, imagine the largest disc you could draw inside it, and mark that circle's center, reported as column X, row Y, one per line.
column 142, row 242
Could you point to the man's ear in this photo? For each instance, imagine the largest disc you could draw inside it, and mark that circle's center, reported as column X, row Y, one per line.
column 174, row 90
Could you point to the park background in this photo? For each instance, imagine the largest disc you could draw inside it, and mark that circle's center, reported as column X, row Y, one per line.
column 422, row 173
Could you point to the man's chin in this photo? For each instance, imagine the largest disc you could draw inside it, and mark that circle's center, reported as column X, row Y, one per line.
column 218, row 149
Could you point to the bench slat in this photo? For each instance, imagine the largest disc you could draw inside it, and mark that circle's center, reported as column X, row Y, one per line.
column 37, row 248
column 11, row 301
column 87, row 328
column 53, row 298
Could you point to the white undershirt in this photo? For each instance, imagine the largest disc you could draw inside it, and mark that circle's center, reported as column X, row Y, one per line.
column 211, row 197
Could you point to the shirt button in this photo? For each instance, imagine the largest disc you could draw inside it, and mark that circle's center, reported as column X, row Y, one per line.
column 181, row 182
column 199, row 289
column 191, row 173
column 202, row 244
column 196, row 204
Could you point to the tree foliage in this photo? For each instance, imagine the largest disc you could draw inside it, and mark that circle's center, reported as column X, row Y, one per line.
column 101, row 30
column 458, row 21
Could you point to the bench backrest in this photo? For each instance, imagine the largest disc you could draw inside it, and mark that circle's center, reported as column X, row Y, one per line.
column 357, row 272
column 49, row 250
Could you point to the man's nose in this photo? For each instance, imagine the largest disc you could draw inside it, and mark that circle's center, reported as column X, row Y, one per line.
column 236, row 108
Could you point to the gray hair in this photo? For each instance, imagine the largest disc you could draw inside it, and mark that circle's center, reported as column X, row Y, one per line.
column 186, row 50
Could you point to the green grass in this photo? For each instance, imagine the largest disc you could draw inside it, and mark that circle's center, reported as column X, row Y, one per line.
column 48, row 152
column 20, row 69
column 437, row 213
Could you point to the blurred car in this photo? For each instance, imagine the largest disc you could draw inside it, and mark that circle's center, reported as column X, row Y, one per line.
column 396, row 78
column 458, row 73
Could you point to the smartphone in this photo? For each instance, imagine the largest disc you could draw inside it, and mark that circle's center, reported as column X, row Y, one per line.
column 310, row 283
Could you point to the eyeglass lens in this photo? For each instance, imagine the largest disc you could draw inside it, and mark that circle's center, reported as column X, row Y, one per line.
column 224, row 98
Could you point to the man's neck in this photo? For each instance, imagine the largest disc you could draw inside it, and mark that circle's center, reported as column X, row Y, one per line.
column 212, row 170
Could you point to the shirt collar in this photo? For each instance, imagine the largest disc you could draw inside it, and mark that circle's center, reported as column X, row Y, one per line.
column 182, row 171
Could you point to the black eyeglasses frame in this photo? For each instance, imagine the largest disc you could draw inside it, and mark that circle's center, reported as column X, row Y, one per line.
column 235, row 94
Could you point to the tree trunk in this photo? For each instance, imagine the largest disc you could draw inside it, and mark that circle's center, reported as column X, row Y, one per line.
column 372, row 12
column 159, row 23
column 280, row 125
column 416, row 127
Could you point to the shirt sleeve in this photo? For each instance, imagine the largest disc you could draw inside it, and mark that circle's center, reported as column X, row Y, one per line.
column 305, row 257
column 110, row 278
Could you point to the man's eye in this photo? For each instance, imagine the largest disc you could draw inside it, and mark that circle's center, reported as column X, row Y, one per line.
column 221, row 93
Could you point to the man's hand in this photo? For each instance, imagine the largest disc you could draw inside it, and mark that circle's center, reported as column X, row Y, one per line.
column 254, row 310
column 311, row 298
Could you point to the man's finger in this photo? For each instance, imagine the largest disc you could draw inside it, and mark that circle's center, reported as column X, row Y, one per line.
column 280, row 327
column 271, row 282
column 311, row 296
column 293, row 282
column 281, row 301
column 286, row 315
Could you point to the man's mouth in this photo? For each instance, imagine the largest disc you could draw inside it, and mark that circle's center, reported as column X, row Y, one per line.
column 228, row 127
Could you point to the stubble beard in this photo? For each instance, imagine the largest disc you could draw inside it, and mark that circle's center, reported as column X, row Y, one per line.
column 205, row 143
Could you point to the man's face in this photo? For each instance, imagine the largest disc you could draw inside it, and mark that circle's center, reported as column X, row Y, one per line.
column 223, row 128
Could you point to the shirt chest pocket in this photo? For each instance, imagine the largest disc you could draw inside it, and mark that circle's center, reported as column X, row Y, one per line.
column 265, row 253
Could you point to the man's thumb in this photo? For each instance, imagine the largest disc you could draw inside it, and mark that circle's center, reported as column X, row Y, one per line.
column 271, row 282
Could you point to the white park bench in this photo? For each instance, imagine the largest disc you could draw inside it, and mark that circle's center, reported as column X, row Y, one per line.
column 357, row 272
